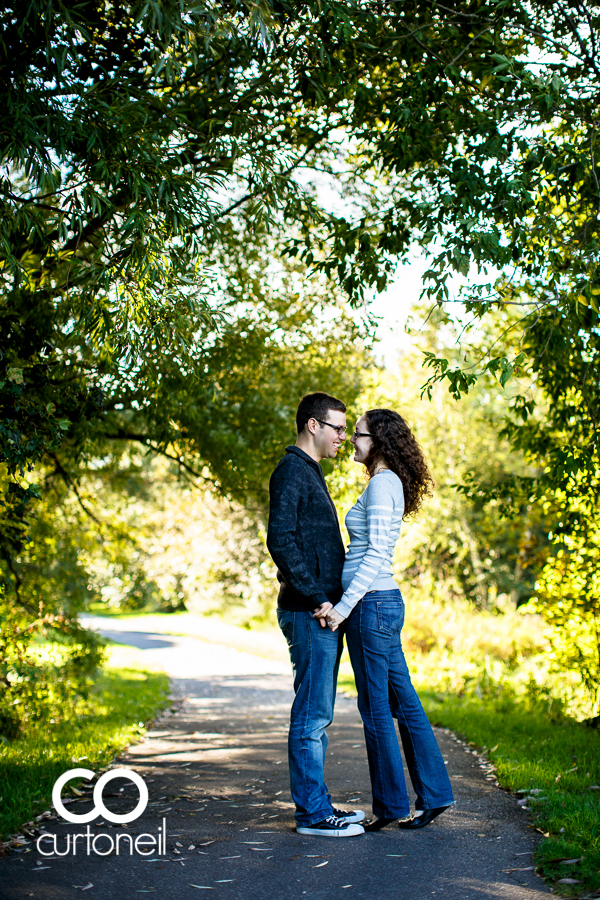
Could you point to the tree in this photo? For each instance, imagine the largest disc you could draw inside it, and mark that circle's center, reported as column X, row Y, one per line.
column 167, row 119
column 138, row 132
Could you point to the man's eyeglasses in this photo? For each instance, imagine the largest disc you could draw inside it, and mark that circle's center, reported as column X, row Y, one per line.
column 358, row 434
column 341, row 429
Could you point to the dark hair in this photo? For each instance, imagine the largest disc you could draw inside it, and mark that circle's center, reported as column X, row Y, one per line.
column 316, row 406
column 395, row 445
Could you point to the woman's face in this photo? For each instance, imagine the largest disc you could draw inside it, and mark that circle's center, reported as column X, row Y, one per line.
column 362, row 444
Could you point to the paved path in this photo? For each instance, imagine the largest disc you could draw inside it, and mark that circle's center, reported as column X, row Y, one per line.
column 216, row 770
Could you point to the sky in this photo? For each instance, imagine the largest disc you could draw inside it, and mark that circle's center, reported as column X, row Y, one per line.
column 393, row 307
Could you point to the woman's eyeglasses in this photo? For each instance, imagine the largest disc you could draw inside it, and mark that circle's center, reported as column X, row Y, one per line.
column 358, row 434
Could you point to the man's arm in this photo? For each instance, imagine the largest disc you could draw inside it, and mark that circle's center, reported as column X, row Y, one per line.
column 285, row 496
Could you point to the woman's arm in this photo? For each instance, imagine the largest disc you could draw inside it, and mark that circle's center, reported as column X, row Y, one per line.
column 379, row 502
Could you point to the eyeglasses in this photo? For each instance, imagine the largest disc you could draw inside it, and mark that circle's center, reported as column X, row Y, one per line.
column 358, row 434
column 341, row 429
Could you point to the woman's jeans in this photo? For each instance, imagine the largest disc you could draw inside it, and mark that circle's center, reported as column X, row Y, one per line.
column 385, row 693
column 315, row 654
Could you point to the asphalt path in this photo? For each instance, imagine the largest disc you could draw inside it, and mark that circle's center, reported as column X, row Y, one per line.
column 216, row 769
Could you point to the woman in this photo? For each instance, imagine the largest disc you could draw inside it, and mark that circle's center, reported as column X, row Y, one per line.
column 373, row 607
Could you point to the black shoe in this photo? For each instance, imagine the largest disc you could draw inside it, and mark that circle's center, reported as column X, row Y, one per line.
column 427, row 816
column 378, row 824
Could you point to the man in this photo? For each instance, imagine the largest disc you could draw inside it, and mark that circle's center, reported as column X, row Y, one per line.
column 305, row 542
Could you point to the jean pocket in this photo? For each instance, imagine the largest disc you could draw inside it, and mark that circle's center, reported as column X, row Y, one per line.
column 390, row 616
column 286, row 623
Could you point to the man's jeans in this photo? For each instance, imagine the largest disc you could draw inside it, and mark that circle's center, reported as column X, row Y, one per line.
column 385, row 693
column 315, row 653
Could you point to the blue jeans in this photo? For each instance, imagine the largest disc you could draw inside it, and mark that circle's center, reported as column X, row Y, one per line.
column 385, row 693
column 315, row 654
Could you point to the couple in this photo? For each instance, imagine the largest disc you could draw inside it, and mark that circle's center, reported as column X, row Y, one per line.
column 325, row 593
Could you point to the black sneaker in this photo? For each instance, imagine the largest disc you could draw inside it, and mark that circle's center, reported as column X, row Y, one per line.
column 351, row 816
column 331, row 827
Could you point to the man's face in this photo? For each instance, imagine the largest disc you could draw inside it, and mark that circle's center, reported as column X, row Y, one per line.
column 327, row 440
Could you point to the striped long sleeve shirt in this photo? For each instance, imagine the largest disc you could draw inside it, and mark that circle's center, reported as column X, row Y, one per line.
column 373, row 524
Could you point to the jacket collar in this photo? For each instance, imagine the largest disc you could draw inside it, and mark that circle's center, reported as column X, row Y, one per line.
column 298, row 452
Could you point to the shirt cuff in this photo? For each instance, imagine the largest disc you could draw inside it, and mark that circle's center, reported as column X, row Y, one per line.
column 345, row 606
column 319, row 600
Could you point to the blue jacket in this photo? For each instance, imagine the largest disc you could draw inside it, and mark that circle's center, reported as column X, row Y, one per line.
column 304, row 535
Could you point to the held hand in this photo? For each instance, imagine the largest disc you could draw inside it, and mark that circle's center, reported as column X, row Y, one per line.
column 321, row 612
column 334, row 619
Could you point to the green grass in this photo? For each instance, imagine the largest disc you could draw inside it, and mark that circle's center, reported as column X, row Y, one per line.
column 560, row 758
column 122, row 701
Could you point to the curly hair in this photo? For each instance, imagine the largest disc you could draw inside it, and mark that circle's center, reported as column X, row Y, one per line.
column 395, row 445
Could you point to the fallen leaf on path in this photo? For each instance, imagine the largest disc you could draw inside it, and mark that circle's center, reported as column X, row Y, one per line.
column 261, row 849
column 41, row 868
column 521, row 869
column 206, row 843
column 570, row 862
column 202, row 887
column 224, row 880
column 318, row 866
column 568, row 881
column 87, row 887
column 396, row 854
column 239, row 856
column 346, row 886
column 494, row 748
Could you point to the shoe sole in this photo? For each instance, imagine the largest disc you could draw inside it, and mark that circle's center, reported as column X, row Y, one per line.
column 335, row 833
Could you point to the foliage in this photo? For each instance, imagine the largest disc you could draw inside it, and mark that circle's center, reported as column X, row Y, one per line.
column 568, row 598
column 161, row 114
column 120, row 703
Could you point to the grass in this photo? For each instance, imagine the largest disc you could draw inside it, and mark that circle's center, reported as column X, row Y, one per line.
column 123, row 700
column 559, row 758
